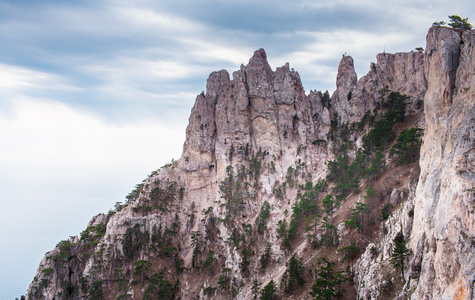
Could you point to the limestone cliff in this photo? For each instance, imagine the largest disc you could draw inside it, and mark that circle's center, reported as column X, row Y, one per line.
column 251, row 195
column 441, row 238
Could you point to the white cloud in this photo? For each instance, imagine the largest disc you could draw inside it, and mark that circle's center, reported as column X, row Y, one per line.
column 43, row 133
column 130, row 70
column 18, row 78
column 213, row 49
column 150, row 19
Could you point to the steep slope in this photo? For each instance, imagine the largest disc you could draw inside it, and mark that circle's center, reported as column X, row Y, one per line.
column 248, row 199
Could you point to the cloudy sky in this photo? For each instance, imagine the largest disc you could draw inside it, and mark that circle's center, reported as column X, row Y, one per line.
column 94, row 95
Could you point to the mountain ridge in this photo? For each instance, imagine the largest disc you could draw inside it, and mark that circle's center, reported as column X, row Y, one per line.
column 250, row 184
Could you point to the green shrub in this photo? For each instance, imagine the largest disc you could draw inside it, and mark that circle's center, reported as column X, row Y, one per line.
column 232, row 191
column 96, row 292
column 93, row 233
column 357, row 219
column 133, row 240
column 142, row 267
column 378, row 165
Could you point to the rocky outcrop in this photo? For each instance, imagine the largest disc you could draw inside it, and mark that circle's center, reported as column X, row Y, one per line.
column 400, row 72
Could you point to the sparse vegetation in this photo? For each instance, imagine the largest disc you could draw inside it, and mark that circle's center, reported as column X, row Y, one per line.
column 135, row 193
column 256, row 285
column 378, row 165
column 96, row 291
column 349, row 254
column 230, row 234
column 133, row 240
column 306, row 210
column 93, row 233
column 232, row 192
column 346, row 175
column 142, row 267
column 456, row 22
column 386, row 211
column 195, row 244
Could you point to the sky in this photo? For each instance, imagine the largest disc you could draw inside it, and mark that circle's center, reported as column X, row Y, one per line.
column 95, row 95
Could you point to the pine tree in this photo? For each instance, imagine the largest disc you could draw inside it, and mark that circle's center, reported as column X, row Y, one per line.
column 327, row 286
column 269, row 291
column 142, row 267
column 378, row 164
column 329, row 205
column 265, row 257
column 400, row 252
column 349, row 254
column 407, row 145
column 329, row 235
column 262, row 217
column 459, row 23
column 255, row 288
column 357, row 216
column 293, row 275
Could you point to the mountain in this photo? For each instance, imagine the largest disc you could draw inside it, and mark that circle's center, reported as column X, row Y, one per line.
column 280, row 194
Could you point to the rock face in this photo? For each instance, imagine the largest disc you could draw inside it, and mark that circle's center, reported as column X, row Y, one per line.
column 246, row 194
column 442, row 238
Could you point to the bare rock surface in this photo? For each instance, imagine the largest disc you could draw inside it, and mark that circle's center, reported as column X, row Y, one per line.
column 443, row 233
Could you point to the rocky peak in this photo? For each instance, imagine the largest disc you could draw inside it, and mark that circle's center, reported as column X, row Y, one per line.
column 346, row 77
column 258, row 76
column 259, row 108
column 259, row 60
